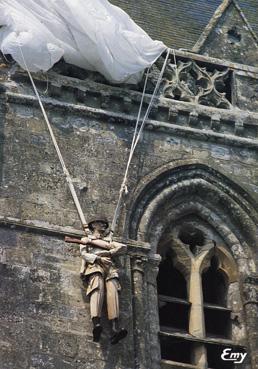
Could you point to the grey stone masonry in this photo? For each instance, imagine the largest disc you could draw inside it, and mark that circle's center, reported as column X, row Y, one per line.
column 197, row 158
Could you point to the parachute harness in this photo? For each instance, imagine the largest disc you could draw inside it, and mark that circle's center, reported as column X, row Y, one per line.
column 139, row 126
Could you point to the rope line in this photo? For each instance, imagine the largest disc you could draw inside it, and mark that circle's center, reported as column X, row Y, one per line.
column 175, row 63
column 136, row 137
column 123, row 187
column 140, row 109
column 65, row 170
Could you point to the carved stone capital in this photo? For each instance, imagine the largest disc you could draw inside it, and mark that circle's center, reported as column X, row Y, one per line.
column 250, row 287
column 138, row 264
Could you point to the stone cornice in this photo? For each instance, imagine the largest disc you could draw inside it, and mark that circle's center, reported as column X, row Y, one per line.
column 119, row 104
column 192, row 127
column 135, row 248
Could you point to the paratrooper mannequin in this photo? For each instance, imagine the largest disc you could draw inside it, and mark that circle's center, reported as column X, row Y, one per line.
column 100, row 274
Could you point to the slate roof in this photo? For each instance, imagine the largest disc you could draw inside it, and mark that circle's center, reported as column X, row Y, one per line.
column 179, row 23
column 250, row 10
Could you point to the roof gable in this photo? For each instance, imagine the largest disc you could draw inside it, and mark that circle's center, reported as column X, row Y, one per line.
column 229, row 36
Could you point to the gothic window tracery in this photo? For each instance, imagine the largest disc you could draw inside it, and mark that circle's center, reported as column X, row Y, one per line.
column 195, row 313
column 190, row 81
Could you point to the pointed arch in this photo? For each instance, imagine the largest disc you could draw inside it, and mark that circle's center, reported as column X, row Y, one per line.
column 183, row 189
column 226, row 264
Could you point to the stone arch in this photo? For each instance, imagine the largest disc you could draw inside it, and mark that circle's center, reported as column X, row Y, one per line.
column 195, row 193
column 182, row 189
column 227, row 264
column 181, row 255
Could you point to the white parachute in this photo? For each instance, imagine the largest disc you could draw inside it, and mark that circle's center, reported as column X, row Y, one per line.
column 92, row 34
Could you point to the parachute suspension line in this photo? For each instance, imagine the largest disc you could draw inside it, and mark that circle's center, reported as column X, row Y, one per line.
column 123, row 187
column 136, row 137
column 139, row 115
column 66, row 173
column 134, row 143
column 176, row 69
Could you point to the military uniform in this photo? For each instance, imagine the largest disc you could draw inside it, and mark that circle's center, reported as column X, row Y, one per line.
column 100, row 277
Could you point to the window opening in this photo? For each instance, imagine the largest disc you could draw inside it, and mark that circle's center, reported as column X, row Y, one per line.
column 170, row 281
column 176, row 349
column 173, row 315
column 214, row 285
column 217, row 322
column 177, row 345
column 172, row 292
column 216, row 315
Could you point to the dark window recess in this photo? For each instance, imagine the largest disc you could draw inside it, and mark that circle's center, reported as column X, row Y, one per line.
column 217, row 322
column 175, row 349
column 173, row 314
column 225, row 85
column 70, row 70
column 172, row 288
column 170, row 281
column 214, row 286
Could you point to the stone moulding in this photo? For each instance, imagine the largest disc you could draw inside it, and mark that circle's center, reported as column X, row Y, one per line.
column 183, row 190
column 213, row 133
column 199, row 82
column 188, row 180
column 34, row 226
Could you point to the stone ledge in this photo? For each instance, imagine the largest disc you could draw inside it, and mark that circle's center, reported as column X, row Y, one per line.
column 167, row 364
column 207, row 340
column 83, row 90
column 135, row 248
column 118, row 118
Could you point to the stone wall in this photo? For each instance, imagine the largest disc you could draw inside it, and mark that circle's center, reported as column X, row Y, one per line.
column 44, row 320
column 44, row 313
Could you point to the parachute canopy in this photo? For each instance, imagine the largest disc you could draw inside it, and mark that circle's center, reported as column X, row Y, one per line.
column 91, row 34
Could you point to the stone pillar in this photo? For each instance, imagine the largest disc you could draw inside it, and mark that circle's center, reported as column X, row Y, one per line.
column 139, row 310
column 153, row 354
column 197, row 323
column 250, row 294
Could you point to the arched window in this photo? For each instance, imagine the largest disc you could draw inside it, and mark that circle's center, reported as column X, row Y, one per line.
column 195, row 319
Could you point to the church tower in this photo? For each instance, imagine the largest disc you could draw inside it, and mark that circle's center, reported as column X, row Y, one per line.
column 189, row 219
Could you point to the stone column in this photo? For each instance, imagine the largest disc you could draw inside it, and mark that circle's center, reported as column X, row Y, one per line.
column 197, row 323
column 250, row 294
column 153, row 347
column 139, row 310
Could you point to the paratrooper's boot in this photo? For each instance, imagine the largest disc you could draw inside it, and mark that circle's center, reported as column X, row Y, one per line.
column 97, row 329
column 117, row 333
